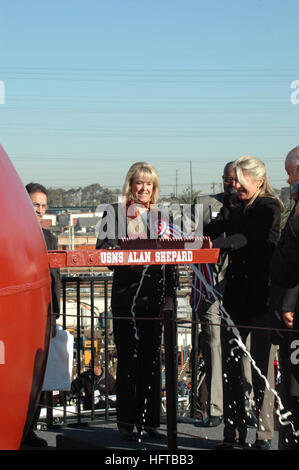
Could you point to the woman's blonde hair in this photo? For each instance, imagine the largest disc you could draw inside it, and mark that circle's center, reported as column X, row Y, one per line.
column 137, row 170
column 255, row 168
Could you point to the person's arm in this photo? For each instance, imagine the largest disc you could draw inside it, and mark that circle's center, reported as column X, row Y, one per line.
column 232, row 242
column 111, row 384
column 217, row 226
column 76, row 386
column 56, row 290
column 285, row 263
column 288, row 305
column 52, row 244
column 263, row 228
column 108, row 229
column 290, row 249
column 108, row 232
column 221, row 224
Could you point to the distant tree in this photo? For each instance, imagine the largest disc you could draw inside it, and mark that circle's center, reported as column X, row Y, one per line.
column 55, row 197
column 91, row 195
column 183, row 198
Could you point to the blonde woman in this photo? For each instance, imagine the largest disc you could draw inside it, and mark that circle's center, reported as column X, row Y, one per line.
column 138, row 294
column 256, row 221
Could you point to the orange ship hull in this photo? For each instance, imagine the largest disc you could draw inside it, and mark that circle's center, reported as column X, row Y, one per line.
column 25, row 308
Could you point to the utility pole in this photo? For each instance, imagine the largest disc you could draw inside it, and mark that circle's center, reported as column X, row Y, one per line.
column 191, row 185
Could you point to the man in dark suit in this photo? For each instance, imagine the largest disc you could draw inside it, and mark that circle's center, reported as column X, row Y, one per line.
column 209, row 314
column 94, row 385
column 285, row 305
column 39, row 197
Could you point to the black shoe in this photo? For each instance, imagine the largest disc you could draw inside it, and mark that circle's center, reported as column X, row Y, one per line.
column 127, row 434
column 227, row 444
column 210, row 422
column 33, row 440
column 233, row 437
column 262, row 444
column 242, row 432
column 232, row 444
column 152, row 433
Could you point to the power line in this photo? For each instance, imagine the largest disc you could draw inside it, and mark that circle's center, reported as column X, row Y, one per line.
column 133, row 98
column 152, row 110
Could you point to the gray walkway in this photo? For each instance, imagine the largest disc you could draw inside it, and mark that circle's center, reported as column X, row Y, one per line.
column 106, row 437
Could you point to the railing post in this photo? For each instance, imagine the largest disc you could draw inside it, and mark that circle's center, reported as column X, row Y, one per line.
column 63, row 303
column 78, row 346
column 49, row 404
column 64, row 327
column 171, row 358
column 92, row 341
column 106, row 350
column 194, row 360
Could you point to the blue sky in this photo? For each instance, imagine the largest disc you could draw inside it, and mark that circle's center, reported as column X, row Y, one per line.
column 91, row 87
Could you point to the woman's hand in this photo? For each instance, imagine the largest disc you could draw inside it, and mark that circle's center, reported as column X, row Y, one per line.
column 288, row 318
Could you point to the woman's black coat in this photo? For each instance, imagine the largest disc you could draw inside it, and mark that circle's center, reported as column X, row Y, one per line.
column 137, row 342
column 158, row 281
column 247, row 277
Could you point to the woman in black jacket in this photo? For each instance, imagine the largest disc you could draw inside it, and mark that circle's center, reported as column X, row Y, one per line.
column 138, row 294
column 255, row 217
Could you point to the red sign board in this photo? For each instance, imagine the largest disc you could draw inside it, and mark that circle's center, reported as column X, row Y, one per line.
column 85, row 258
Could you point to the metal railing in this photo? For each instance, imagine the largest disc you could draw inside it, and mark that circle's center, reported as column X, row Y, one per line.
column 84, row 290
column 96, row 328
column 76, row 322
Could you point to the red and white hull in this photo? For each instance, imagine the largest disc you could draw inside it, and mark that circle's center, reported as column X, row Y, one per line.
column 25, row 307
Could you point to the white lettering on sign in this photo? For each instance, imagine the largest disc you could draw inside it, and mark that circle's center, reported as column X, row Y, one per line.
column 295, row 353
column 112, row 257
column 173, row 256
column 144, row 257
column 139, row 257
column 2, row 353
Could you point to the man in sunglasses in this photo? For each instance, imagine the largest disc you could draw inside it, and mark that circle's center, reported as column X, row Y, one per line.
column 208, row 313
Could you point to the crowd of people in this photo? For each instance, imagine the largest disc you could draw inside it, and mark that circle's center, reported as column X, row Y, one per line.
column 258, row 302
column 254, row 312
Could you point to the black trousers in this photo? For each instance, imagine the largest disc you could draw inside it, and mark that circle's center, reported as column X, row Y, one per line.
column 287, row 438
column 138, row 377
column 234, row 382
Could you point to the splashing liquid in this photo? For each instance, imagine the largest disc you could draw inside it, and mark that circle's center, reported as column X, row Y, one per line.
column 135, row 354
column 216, row 296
